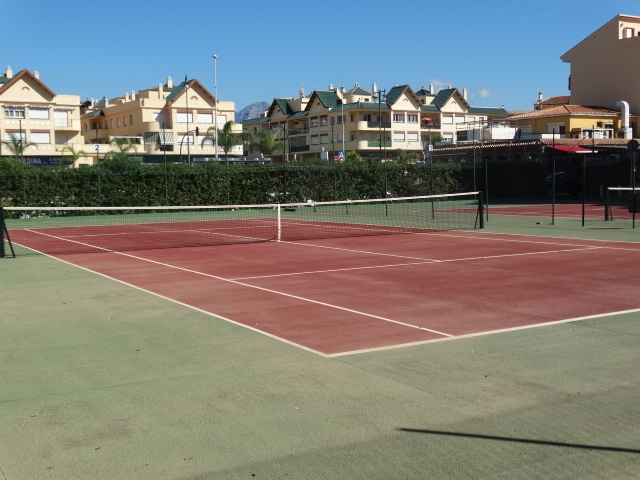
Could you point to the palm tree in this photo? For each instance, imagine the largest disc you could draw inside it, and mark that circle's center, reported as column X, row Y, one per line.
column 266, row 143
column 16, row 144
column 74, row 155
column 225, row 137
column 123, row 147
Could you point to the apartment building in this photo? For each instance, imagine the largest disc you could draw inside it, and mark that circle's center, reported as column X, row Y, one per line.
column 603, row 70
column 168, row 121
column 43, row 120
column 374, row 123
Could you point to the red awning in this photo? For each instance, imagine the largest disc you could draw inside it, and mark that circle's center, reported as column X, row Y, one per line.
column 570, row 148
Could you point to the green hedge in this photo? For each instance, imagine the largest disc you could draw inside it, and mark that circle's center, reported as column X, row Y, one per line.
column 128, row 183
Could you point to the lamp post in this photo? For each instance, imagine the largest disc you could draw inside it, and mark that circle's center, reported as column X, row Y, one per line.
column 215, row 94
column 186, row 89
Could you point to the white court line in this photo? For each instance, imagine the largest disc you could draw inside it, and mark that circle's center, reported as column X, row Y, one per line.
column 268, row 290
column 422, row 262
column 489, row 332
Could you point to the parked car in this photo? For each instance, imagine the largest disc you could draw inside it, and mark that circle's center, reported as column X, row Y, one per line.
column 566, row 183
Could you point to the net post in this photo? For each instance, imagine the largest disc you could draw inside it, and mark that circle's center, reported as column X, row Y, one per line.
column 2, row 232
column 607, row 205
column 481, row 210
column 279, row 223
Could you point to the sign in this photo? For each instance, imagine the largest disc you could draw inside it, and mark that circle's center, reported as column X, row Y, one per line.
column 341, row 155
column 96, row 147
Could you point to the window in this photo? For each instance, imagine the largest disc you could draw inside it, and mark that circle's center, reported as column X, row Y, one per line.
column 342, row 119
column 398, row 117
column 60, row 118
column 398, row 136
column 412, row 118
column 14, row 112
column 184, row 117
column 206, row 118
column 118, row 122
column 324, row 138
column 111, row 123
column 315, row 140
column 459, row 119
column 222, row 119
column 447, row 120
column 39, row 113
column 124, row 120
column 447, row 137
column 186, row 138
column 323, row 121
column 412, row 137
column 40, row 137
column 628, row 32
column 314, row 122
column 366, row 117
column 130, row 119
column 17, row 135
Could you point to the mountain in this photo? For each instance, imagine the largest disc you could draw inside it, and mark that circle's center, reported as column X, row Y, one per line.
column 252, row 111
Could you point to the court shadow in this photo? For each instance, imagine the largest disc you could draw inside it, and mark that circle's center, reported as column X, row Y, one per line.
column 519, row 440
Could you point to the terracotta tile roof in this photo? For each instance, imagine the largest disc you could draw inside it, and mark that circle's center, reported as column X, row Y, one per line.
column 562, row 110
column 553, row 101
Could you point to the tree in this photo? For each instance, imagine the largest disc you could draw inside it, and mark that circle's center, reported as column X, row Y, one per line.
column 73, row 157
column 266, row 143
column 123, row 146
column 16, row 145
column 353, row 157
column 225, row 137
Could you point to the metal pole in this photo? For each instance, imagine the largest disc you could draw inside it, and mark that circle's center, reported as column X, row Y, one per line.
column 164, row 151
column 186, row 88
column 553, row 177
column 215, row 94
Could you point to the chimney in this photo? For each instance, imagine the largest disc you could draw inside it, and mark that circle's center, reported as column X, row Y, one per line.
column 374, row 88
column 464, row 93
column 625, row 131
column 331, row 86
column 540, row 98
column 169, row 82
column 36, row 74
column 9, row 73
column 431, row 89
column 93, row 103
column 126, row 96
column 301, row 91
column 160, row 90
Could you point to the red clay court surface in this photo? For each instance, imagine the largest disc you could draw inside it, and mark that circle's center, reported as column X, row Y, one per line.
column 348, row 295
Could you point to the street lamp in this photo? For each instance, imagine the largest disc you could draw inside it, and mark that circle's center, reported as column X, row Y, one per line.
column 215, row 95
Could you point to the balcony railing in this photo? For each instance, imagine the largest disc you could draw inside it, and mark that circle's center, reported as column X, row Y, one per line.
column 379, row 143
column 429, row 125
column 299, row 148
column 383, row 124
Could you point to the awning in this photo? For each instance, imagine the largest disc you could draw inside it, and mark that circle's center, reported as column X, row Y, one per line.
column 570, row 148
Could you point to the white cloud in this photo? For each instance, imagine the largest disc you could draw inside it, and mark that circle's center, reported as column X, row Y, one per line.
column 484, row 93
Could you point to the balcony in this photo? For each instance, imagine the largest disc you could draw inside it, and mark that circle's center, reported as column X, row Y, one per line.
column 379, row 143
column 429, row 125
column 62, row 124
column 298, row 148
column 383, row 124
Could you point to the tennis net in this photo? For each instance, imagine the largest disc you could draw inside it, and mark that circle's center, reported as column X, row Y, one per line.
column 622, row 203
column 55, row 230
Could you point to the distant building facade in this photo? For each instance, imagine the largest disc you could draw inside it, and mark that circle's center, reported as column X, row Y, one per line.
column 169, row 120
column 43, row 120
column 374, row 123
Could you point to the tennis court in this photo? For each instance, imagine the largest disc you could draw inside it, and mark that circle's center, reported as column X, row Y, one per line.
column 399, row 352
column 369, row 285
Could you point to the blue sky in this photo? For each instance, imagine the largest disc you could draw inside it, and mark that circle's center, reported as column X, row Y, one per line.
column 503, row 51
